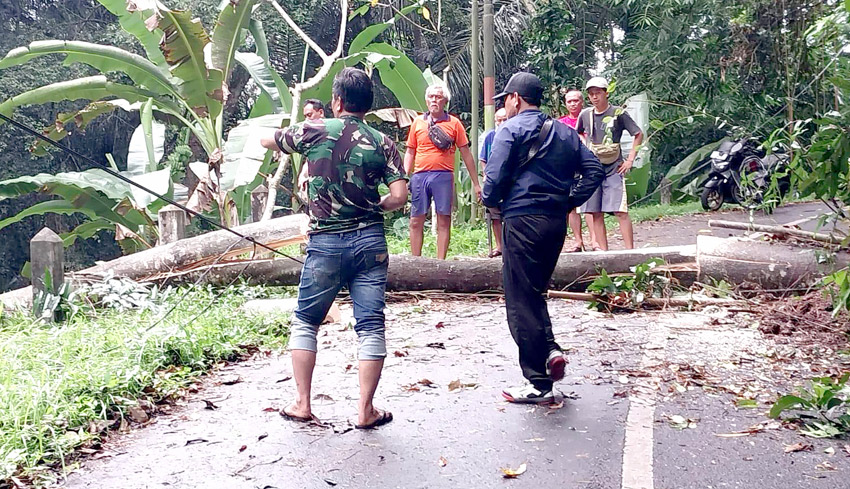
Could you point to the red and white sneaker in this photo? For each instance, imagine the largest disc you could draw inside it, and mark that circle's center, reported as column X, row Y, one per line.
column 555, row 365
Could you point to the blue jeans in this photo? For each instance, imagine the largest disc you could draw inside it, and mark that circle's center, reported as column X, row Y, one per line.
column 357, row 260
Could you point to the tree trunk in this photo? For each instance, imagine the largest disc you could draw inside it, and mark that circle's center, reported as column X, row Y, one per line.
column 769, row 265
column 469, row 275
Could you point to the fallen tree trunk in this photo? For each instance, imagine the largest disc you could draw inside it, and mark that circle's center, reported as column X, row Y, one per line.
column 778, row 230
column 467, row 275
column 770, row 265
column 191, row 252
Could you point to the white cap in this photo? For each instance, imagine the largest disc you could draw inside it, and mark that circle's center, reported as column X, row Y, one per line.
column 597, row 82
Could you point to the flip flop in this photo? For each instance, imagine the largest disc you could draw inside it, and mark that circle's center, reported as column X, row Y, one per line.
column 297, row 419
column 384, row 418
column 495, row 253
column 575, row 249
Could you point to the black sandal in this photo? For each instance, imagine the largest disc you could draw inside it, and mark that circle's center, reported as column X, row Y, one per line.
column 384, row 418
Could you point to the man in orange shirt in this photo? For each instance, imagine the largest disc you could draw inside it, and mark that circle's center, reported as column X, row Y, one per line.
column 430, row 161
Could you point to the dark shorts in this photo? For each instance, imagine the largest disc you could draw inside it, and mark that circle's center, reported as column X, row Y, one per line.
column 428, row 185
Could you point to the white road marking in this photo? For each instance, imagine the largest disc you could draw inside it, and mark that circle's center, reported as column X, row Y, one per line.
column 637, row 450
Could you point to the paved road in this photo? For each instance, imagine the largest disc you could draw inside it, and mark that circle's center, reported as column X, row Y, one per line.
column 629, row 376
column 632, row 380
column 683, row 230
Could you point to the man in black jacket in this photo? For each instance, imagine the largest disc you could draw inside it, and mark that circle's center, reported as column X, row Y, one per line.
column 535, row 197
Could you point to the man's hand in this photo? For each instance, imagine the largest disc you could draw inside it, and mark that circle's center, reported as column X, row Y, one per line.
column 477, row 189
column 625, row 166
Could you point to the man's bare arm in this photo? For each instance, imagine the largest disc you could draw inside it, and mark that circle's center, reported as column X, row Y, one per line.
column 397, row 196
column 409, row 154
column 472, row 168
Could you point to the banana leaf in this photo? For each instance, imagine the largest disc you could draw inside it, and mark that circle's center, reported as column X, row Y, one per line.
column 228, row 34
column 88, row 88
column 399, row 74
column 183, row 43
column 132, row 16
column 103, row 58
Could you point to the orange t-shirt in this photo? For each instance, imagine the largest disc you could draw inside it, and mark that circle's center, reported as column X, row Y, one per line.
column 428, row 157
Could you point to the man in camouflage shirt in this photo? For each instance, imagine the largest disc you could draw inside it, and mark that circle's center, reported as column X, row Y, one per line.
column 346, row 161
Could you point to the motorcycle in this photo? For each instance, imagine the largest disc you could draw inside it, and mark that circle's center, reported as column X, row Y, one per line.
column 742, row 173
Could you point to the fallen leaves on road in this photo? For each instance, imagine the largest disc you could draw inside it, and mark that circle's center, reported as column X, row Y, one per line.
column 195, row 440
column 400, row 353
column 323, row 397
column 847, row 450
column 426, row 383
column 243, row 448
column 209, row 405
column 440, row 325
column 534, row 440
column 439, row 345
column 261, row 437
column 553, row 407
column 442, row 462
column 509, row 473
column 825, row 466
column 680, row 422
column 798, row 447
column 288, row 377
column 270, row 410
column 457, row 384
column 752, row 430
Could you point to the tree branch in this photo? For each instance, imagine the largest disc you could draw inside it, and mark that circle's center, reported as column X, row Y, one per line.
column 303, row 35
column 298, row 88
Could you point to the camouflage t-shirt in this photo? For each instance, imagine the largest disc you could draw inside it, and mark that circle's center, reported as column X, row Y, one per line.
column 346, row 161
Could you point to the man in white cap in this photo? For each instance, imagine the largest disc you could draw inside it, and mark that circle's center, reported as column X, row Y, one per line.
column 603, row 126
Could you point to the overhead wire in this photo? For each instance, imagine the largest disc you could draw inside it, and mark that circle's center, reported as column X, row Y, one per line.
column 130, row 181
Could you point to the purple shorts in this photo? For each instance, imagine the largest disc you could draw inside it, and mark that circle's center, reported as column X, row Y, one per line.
column 427, row 185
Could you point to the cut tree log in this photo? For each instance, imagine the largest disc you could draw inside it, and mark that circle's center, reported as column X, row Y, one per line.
column 770, row 265
column 188, row 253
column 778, row 230
column 469, row 275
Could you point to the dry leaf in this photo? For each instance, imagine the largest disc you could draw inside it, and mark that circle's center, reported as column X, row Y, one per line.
column 442, row 462
column 513, row 474
column 797, row 447
column 829, row 451
column 234, row 379
column 284, row 379
column 209, row 405
column 269, row 410
column 243, row 448
column 532, row 440
column 400, row 353
column 426, row 383
column 411, row 388
column 264, row 435
column 847, row 450
column 825, row 466
column 454, row 385
column 440, row 325
column 322, row 397
column 439, row 345
column 681, row 422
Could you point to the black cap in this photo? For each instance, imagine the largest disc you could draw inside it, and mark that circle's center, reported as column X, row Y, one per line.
column 527, row 85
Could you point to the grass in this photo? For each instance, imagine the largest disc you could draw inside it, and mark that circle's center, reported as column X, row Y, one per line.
column 57, row 381
column 471, row 240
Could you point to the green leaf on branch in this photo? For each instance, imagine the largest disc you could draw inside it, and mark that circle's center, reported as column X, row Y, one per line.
column 656, row 124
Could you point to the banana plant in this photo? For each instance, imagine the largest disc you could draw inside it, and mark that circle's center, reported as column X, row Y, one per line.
column 183, row 78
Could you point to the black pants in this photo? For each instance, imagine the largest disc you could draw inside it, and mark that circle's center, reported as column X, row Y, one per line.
column 530, row 249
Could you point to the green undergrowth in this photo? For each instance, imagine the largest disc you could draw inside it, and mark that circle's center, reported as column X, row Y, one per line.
column 62, row 384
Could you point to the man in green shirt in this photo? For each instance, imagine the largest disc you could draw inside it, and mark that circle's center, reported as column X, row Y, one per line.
column 346, row 161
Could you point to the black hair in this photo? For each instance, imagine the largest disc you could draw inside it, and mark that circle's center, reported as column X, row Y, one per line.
column 316, row 103
column 354, row 88
column 532, row 101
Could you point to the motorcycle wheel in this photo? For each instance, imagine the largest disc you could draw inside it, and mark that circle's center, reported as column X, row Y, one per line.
column 711, row 198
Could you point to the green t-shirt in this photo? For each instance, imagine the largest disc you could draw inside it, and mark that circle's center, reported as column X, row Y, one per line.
column 346, row 161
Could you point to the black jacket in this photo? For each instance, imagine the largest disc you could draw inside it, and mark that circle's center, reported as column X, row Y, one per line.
column 547, row 184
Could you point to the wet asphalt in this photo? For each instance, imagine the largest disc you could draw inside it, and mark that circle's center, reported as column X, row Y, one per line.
column 446, row 438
